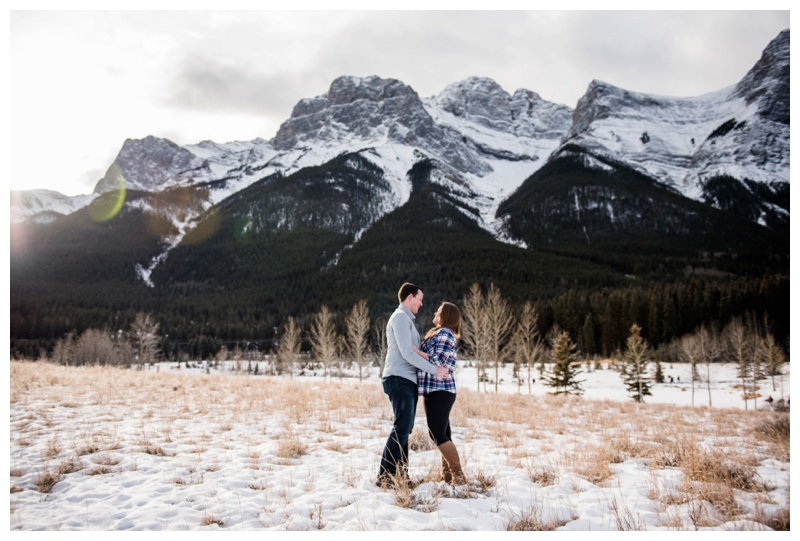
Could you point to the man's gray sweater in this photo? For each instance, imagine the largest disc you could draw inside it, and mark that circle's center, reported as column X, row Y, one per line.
column 401, row 360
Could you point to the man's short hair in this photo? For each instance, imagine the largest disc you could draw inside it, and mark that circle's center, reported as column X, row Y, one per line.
column 407, row 289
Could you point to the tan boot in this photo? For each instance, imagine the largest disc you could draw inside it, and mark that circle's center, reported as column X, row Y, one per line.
column 450, row 455
column 447, row 475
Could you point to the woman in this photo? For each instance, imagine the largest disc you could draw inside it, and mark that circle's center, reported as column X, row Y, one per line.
column 439, row 348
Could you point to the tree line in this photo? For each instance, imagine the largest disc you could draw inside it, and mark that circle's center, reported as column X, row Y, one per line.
column 494, row 334
column 137, row 346
column 598, row 320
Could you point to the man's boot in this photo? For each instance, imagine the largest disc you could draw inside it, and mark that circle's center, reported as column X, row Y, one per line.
column 450, row 454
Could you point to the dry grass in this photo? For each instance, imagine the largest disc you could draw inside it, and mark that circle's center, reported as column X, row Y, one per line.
column 100, row 470
column 420, row 440
column 209, row 519
column 542, row 475
column 107, row 460
column 46, row 480
column 717, row 451
column 775, row 431
column 291, row 446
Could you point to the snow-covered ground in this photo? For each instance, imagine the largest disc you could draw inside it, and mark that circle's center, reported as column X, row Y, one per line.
column 182, row 449
column 599, row 381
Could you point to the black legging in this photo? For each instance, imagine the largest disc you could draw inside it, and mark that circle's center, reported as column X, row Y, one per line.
column 437, row 410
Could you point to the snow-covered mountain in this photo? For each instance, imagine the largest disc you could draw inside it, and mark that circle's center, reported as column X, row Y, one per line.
column 482, row 142
column 485, row 141
column 741, row 131
column 480, row 132
column 44, row 206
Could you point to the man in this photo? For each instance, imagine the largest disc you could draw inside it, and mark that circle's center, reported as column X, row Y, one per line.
column 400, row 381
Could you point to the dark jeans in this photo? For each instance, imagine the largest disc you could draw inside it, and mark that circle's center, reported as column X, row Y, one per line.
column 403, row 396
column 437, row 411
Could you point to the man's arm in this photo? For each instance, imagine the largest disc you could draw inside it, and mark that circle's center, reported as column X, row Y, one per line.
column 441, row 370
column 402, row 333
column 443, row 351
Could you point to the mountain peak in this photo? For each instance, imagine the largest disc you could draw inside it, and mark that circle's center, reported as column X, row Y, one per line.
column 355, row 107
column 478, row 99
column 768, row 81
column 482, row 101
column 150, row 164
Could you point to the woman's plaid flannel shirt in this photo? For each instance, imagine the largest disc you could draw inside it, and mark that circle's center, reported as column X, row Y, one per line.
column 441, row 350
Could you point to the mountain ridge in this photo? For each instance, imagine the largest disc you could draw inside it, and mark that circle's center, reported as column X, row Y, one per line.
column 480, row 111
column 369, row 185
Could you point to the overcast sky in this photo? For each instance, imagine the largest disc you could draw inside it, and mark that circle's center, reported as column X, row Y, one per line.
column 83, row 82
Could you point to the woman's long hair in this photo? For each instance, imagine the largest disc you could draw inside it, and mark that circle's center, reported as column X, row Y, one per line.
column 449, row 317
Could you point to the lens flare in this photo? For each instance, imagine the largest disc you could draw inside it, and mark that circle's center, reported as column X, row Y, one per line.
column 108, row 204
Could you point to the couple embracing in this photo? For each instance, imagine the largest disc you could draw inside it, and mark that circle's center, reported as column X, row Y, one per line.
column 412, row 370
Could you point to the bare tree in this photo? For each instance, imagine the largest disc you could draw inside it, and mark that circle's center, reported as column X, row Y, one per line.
column 708, row 344
column 499, row 325
column 357, row 340
column 288, row 347
column 144, row 335
column 63, row 351
column 324, row 339
column 759, row 359
column 692, row 352
column 94, row 347
column 526, row 343
column 474, row 329
column 126, row 353
column 739, row 346
column 381, row 345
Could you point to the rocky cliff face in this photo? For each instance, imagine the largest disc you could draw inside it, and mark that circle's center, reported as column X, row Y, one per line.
column 373, row 112
column 358, row 108
column 767, row 83
column 483, row 102
column 152, row 164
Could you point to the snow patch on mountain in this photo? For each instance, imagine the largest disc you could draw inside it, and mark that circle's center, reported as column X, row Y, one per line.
column 741, row 131
column 44, row 206
column 660, row 136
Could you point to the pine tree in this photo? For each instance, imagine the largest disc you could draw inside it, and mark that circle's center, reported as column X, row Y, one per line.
column 565, row 361
column 659, row 375
column 775, row 358
column 635, row 362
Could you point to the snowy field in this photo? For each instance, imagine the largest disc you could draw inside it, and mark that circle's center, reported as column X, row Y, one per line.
column 182, row 449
